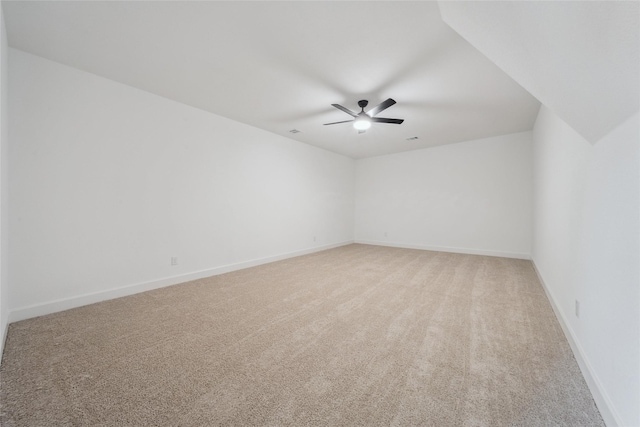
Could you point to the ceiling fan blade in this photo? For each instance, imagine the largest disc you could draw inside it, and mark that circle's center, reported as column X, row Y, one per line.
column 383, row 120
column 381, row 107
column 335, row 123
column 346, row 110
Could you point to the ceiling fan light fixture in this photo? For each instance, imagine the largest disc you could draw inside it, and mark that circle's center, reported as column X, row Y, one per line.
column 362, row 123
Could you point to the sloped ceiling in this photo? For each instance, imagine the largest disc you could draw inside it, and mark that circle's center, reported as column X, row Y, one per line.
column 280, row 65
column 580, row 59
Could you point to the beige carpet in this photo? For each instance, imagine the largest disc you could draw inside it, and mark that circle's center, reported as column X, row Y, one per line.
column 354, row 336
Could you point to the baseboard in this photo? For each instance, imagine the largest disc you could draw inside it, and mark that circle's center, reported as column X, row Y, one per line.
column 446, row 249
column 603, row 402
column 86, row 299
column 3, row 339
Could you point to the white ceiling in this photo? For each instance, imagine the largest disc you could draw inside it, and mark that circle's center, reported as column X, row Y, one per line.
column 280, row 65
column 581, row 59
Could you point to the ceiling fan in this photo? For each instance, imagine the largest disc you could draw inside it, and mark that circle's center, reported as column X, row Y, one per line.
column 362, row 121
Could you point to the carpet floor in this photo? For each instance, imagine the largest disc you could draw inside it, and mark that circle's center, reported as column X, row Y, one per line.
column 354, row 336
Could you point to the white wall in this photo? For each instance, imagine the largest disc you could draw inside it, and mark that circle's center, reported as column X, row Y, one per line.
column 471, row 197
column 109, row 182
column 4, row 182
column 586, row 247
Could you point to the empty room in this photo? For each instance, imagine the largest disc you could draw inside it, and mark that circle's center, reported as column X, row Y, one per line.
column 322, row 213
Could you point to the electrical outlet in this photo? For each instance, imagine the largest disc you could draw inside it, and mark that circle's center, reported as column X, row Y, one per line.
column 385, row 234
column 314, row 238
column 577, row 309
column 174, row 260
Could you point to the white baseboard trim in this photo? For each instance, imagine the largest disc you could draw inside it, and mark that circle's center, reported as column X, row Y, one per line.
column 446, row 249
column 600, row 396
column 5, row 330
column 42, row 309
